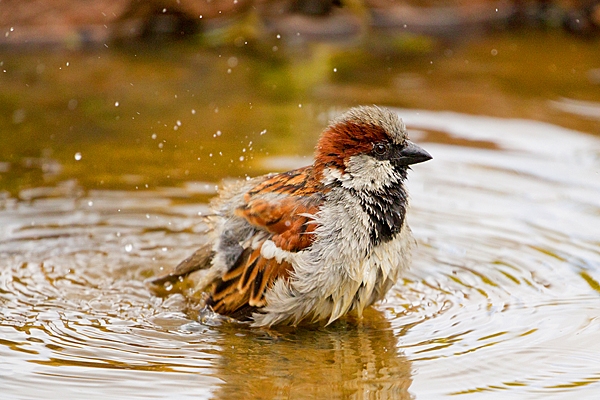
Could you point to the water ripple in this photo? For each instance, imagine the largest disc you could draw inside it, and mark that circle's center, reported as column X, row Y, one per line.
column 501, row 299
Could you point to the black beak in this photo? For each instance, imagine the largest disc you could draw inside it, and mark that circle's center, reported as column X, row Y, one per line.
column 412, row 154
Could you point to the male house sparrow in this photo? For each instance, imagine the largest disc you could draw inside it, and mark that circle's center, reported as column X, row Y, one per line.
column 317, row 242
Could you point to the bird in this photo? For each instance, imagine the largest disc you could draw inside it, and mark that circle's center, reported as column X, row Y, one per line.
column 315, row 243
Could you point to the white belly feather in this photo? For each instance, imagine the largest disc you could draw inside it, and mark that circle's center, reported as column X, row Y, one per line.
column 341, row 271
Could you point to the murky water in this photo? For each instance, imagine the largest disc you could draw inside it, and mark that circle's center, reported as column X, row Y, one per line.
column 106, row 166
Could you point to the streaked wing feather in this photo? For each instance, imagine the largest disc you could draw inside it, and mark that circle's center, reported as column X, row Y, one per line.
column 286, row 214
column 250, row 271
column 265, row 278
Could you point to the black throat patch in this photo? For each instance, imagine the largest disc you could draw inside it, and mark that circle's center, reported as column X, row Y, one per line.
column 387, row 209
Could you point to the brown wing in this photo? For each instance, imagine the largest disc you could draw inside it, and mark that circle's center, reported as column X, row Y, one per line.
column 281, row 206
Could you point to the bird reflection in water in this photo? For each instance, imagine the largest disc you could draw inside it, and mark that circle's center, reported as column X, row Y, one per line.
column 348, row 359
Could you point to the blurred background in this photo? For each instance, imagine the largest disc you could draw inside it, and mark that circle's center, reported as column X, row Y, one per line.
column 119, row 118
column 120, row 82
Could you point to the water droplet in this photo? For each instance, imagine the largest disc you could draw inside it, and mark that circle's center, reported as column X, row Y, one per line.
column 241, row 158
column 77, row 156
column 90, row 203
column 232, row 62
column 153, row 136
column 19, row 116
column 494, row 52
column 116, row 104
column 128, row 247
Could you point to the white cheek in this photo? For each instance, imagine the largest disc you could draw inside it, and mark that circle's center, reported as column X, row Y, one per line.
column 364, row 172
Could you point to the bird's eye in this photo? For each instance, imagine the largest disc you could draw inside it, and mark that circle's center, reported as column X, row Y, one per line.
column 380, row 148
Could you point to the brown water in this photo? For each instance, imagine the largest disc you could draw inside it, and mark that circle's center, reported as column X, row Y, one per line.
column 108, row 157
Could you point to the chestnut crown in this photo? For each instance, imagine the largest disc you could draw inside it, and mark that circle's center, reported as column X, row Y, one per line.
column 370, row 131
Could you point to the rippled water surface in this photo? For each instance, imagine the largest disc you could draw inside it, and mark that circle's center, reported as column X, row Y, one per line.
column 103, row 186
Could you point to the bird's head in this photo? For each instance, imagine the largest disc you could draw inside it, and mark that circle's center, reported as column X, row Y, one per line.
column 366, row 148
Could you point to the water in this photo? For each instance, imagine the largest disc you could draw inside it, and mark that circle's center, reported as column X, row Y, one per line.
column 503, row 298
column 506, row 276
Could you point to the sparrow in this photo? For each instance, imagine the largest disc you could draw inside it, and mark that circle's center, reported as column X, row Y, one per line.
column 318, row 242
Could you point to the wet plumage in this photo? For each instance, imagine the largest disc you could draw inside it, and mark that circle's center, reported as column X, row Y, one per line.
column 318, row 242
